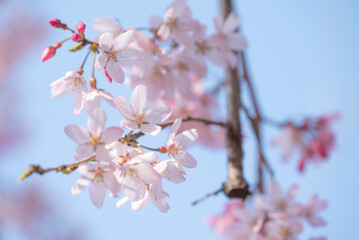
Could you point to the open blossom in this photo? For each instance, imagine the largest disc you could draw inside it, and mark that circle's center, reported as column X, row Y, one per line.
column 178, row 142
column 287, row 229
column 277, row 203
column 135, row 171
column 227, row 39
column 96, row 140
column 115, row 54
column 171, row 170
column 71, row 82
column 154, row 193
column 177, row 21
column 309, row 211
column 223, row 223
column 138, row 116
column 101, row 177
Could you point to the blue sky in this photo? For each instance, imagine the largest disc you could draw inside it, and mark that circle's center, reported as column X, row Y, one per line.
column 303, row 58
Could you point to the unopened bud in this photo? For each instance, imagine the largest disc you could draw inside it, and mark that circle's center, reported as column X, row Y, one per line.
column 76, row 37
column 48, row 53
column 55, row 23
column 162, row 149
column 81, row 27
column 25, row 175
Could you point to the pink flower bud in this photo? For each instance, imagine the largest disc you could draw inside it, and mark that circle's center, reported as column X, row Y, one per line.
column 48, row 53
column 55, row 23
column 80, row 27
column 76, row 37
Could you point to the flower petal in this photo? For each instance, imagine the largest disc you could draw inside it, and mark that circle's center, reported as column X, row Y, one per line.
column 124, row 107
column 115, row 71
column 150, row 129
column 105, row 41
column 139, row 99
column 96, row 122
column 77, row 133
column 97, row 192
column 185, row 138
column 157, row 114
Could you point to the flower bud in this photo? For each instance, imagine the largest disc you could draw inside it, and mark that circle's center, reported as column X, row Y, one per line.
column 162, row 149
column 76, row 37
column 80, row 27
column 55, row 23
column 48, row 53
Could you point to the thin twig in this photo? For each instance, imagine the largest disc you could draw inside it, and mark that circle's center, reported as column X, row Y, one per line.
column 208, row 195
column 185, row 119
column 67, row 168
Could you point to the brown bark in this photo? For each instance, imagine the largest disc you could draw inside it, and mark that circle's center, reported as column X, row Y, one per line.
column 235, row 186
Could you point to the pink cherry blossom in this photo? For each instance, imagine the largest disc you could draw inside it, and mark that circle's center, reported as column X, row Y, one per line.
column 101, row 177
column 223, row 223
column 309, row 211
column 287, row 229
column 71, row 82
column 227, row 39
column 204, row 47
column 171, row 170
column 135, row 171
column 177, row 21
column 178, row 142
column 97, row 140
column 136, row 114
column 115, row 54
column 314, row 139
column 278, row 204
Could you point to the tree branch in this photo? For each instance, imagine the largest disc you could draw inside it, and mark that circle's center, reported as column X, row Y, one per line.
column 235, row 186
column 63, row 168
column 185, row 119
column 207, row 196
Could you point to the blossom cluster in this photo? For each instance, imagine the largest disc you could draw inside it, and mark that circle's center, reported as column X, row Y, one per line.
column 170, row 61
column 276, row 216
column 314, row 139
column 167, row 67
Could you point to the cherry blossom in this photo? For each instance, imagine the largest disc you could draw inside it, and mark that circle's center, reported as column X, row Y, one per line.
column 136, row 114
column 115, row 54
column 227, row 39
column 313, row 139
column 278, row 204
column 309, row 211
column 284, row 229
column 96, row 140
column 177, row 21
column 72, row 81
column 178, row 142
column 134, row 171
column 101, row 177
